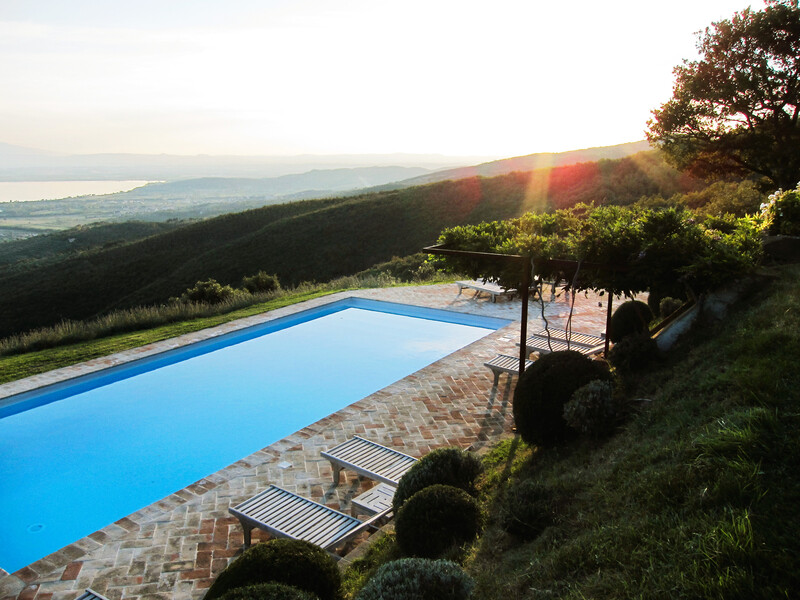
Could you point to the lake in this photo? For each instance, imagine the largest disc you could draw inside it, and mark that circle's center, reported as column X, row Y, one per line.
column 29, row 191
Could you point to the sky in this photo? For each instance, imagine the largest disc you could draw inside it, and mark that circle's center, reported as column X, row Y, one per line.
column 495, row 78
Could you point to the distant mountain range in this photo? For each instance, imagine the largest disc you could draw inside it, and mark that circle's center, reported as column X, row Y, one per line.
column 189, row 197
column 315, row 182
column 26, row 164
column 530, row 162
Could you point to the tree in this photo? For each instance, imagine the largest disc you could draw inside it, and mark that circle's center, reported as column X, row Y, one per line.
column 735, row 111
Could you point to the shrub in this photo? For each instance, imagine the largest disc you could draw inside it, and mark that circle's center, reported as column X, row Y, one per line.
column 435, row 520
column 418, row 579
column 210, row 292
column 630, row 317
column 658, row 294
column 448, row 466
column 782, row 212
column 261, row 282
column 634, row 353
column 292, row 562
column 407, row 268
column 543, row 390
column 667, row 306
column 593, row 409
column 267, row 591
column 526, row 509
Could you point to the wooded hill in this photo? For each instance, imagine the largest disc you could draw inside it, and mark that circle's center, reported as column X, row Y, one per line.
column 309, row 240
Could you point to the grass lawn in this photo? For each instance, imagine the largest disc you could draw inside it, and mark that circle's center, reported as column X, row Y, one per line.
column 24, row 365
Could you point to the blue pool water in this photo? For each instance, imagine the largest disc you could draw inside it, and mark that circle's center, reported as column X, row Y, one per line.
column 78, row 456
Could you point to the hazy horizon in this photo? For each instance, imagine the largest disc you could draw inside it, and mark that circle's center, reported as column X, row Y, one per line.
column 281, row 78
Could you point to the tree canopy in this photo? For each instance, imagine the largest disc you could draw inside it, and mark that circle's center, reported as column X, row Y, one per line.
column 735, row 111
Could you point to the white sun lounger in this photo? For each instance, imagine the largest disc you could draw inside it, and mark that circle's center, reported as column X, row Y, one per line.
column 490, row 288
column 368, row 459
column 284, row 514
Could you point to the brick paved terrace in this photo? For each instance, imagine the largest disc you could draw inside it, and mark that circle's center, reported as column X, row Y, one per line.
column 174, row 548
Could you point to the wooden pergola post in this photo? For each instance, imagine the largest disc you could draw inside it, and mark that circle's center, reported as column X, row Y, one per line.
column 523, row 261
column 526, row 263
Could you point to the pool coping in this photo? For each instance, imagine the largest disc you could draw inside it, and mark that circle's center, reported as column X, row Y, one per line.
column 15, row 584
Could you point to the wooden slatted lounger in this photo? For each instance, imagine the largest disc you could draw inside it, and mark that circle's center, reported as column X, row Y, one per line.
column 368, row 459
column 284, row 514
column 502, row 363
column 90, row 594
column 541, row 345
column 579, row 339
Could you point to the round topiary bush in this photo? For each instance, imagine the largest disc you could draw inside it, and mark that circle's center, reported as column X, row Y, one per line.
column 630, row 318
column 292, row 562
column 448, row 466
column 593, row 409
column 435, row 520
column 267, row 591
column 657, row 293
column 634, row 353
column 543, row 390
column 418, row 579
column 526, row 509
column 667, row 306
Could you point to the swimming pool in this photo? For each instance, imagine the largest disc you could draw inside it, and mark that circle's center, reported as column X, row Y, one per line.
column 77, row 456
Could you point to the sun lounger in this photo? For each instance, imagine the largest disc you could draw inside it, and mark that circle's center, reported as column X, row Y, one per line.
column 542, row 346
column 375, row 500
column 575, row 338
column 368, row 459
column 90, row 594
column 284, row 514
column 502, row 363
column 490, row 288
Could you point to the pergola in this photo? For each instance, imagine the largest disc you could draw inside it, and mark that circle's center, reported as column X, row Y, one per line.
column 525, row 263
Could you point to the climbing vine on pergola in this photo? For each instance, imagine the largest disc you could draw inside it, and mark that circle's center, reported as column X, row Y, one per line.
column 611, row 249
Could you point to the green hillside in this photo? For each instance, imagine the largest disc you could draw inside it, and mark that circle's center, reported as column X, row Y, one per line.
column 56, row 246
column 309, row 240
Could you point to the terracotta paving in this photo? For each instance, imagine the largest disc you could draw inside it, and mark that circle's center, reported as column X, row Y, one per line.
column 174, row 548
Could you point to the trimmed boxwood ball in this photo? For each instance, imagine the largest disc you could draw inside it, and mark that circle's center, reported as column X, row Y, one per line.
column 657, row 293
column 436, row 519
column 630, row 318
column 448, row 466
column 634, row 353
column 667, row 306
column 267, row 591
column 526, row 509
column 594, row 408
column 543, row 390
column 418, row 579
column 293, row 562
